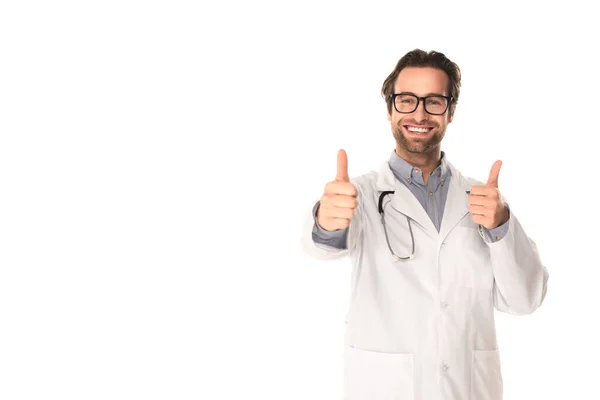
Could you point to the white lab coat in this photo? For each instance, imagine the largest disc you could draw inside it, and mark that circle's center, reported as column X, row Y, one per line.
column 423, row 329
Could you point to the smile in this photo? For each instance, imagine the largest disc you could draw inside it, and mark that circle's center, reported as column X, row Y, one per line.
column 417, row 129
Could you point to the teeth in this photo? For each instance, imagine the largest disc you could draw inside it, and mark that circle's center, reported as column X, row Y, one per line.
column 420, row 130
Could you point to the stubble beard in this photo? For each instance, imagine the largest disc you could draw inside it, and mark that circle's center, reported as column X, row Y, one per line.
column 418, row 146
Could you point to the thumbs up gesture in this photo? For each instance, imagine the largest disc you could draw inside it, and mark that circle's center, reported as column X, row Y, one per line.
column 485, row 202
column 339, row 198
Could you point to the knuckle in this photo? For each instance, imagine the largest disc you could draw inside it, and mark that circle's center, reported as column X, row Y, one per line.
column 348, row 202
column 349, row 188
column 332, row 187
column 339, row 224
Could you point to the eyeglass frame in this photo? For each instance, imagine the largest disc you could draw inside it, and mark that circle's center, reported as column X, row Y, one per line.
column 393, row 96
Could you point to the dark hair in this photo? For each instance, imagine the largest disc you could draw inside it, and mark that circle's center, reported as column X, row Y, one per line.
column 420, row 58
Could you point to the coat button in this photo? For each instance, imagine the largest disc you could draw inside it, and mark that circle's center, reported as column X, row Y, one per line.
column 445, row 304
column 445, row 367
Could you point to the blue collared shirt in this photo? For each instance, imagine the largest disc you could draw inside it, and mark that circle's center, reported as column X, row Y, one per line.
column 432, row 196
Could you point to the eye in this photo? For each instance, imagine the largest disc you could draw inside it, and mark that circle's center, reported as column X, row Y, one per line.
column 406, row 99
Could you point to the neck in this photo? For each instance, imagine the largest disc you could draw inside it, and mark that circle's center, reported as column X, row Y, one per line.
column 426, row 162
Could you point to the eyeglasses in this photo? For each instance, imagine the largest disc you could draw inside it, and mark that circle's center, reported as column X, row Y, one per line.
column 407, row 103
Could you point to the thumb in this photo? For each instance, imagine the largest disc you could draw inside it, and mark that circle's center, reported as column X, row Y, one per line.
column 494, row 172
column 342, row 167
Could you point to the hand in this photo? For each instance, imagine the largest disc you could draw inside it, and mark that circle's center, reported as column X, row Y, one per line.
column 485, row 202
column 339, row 198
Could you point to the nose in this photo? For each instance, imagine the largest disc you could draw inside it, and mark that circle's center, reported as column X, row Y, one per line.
column 420, row 113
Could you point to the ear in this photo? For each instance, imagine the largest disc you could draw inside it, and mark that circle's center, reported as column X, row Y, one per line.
column 451, row 116
column 389, row 116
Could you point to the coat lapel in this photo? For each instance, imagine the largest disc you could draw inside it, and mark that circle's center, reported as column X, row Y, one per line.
column 457, row 203
column 403, row 200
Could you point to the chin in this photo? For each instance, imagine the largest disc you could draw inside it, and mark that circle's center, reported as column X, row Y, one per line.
column 417, row 146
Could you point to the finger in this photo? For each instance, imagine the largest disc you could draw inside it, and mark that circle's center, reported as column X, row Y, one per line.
column 479, row 219
column 477, row 210
column 338, row 223
column 344, row 201
column 481, row 201
column 478, row 190
column 333, row 224
column 485, row 191
column 342, row 167
column 341, row 223
column 344, row 188
column 494, row 173
column 338, row 212
column 331, row 206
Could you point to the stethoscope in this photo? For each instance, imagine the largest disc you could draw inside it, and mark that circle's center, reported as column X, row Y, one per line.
column 412, row 254
column 380, row 208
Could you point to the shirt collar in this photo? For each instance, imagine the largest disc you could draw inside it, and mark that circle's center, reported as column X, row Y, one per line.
column 403, row 170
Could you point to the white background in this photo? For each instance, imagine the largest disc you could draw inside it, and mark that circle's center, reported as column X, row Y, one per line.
column 157, row 160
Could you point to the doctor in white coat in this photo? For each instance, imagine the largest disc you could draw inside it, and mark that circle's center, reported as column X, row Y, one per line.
column 433, row 254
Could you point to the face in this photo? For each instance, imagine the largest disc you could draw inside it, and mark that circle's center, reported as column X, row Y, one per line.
column 420, row 132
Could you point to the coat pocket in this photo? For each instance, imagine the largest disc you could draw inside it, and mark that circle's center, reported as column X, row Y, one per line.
column 486, row 375
column 370, row 375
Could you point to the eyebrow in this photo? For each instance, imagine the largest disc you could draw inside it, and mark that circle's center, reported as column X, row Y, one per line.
column 428, row 94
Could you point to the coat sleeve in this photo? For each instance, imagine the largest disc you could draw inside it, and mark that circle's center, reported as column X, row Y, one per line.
column 520, row 278
column 324, row 252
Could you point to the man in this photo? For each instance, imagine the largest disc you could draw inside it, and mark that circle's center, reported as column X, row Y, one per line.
column 433, row 254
